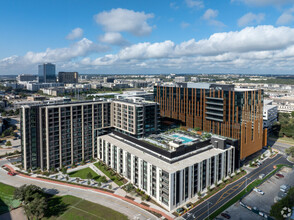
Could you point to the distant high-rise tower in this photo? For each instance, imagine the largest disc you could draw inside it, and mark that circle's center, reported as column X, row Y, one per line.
column 68, row 77
column 46, row 72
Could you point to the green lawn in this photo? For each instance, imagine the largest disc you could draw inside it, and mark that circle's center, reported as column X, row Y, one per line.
column 108, row 173
column 6, row 198
column 83, row 174
column 73, row 208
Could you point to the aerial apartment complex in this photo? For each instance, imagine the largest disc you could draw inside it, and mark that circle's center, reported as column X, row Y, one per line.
column 172, row 166
column 220, row 109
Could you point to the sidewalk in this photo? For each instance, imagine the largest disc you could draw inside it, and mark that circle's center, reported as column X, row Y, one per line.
column 161, row 212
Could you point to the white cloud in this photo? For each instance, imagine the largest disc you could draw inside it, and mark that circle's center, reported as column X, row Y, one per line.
column 264, row 48
column 249, row 46
column 210, row 16
column 184, row 25
column 79, row 49
column 195, row 4
column 124, row 20
column 114, row 38
column 75, row 34
column 250, row 19
column 286, row 18
column 261, row 3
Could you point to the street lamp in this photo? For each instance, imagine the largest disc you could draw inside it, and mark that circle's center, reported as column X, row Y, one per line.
column 208, row 203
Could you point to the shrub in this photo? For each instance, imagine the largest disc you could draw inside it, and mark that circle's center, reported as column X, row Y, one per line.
column 129, row 187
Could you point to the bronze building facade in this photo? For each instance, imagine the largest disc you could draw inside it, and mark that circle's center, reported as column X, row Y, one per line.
column 220, row 109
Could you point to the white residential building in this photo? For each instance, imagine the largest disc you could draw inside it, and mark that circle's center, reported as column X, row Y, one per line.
column 180, row 79
column 270, row 114
column 171, row 178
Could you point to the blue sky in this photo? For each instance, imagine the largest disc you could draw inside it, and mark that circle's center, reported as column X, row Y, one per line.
column 181, row 36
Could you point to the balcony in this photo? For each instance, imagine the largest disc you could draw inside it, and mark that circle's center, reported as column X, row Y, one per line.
column 214, row 103
column 212, row 114
column 214, row 109
column 214, row 119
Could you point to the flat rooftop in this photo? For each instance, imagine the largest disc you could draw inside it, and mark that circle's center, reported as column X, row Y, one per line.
column 155, row 158
column 225, row 87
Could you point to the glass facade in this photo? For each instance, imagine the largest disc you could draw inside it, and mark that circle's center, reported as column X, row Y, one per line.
column 46, row 73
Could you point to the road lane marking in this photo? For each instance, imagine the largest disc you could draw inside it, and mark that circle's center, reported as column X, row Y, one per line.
column 241, row 185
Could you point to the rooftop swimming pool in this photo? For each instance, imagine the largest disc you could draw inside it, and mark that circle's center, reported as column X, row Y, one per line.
column 185, row 139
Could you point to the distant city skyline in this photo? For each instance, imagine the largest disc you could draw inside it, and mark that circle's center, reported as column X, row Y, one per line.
column 148, row 37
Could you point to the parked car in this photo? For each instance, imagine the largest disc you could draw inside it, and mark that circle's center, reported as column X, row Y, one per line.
column 189, row 206
column 280, row 175
column 261, row 176
column 11, row 173
column 258, row 163
column 180, row 210
column 284, row 188
column 258, row 191
column 225, row 215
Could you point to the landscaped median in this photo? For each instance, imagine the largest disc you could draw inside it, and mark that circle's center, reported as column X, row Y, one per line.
column 243, row 193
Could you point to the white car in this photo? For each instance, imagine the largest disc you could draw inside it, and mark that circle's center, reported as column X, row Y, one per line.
column 258, row 191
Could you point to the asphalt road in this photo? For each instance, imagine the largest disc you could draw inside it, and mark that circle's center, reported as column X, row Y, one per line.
column 130, row 210
column 212, row 204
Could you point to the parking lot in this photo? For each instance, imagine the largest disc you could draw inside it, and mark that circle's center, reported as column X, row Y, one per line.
column 237, row 212
column 271, row 188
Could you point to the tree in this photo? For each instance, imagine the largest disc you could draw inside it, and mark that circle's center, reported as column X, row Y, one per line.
column 64, row 170
column 33, row 200
column 292, row 114
column 103, row 179
column 8, row 143
column 199, row 194
column 89, row 175
column 290, row 151
column 129, row 187
column 37, row 207
column 270, row 149
column 67, row 178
